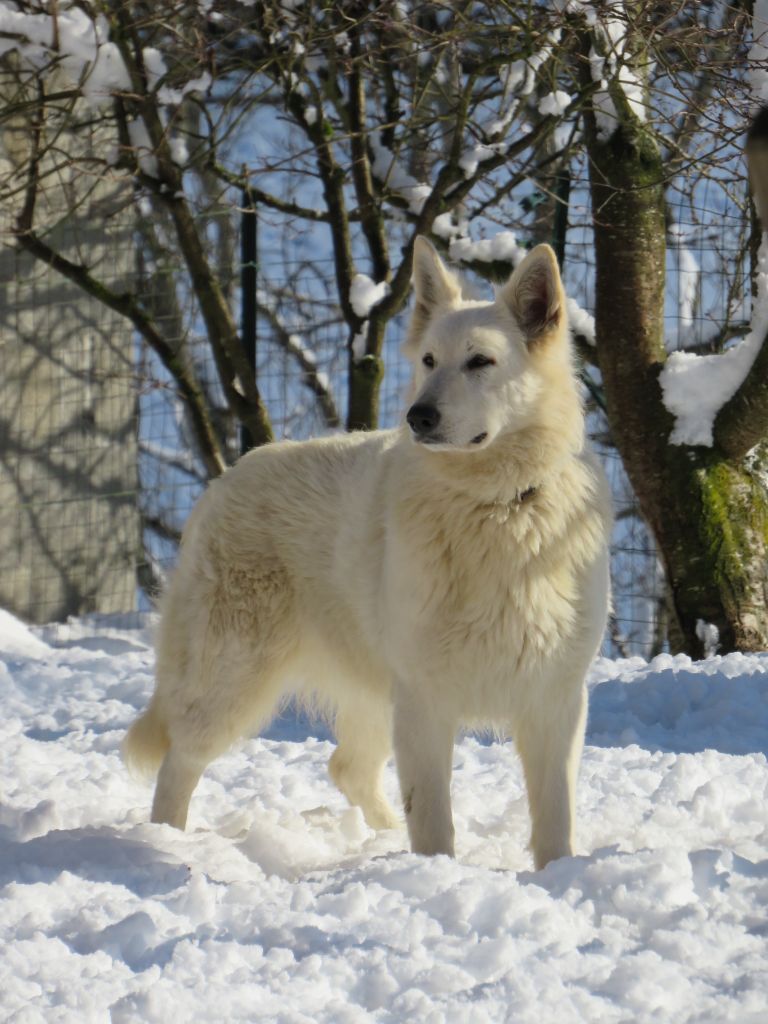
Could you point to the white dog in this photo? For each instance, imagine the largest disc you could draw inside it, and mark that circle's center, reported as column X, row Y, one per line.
column 450, row 572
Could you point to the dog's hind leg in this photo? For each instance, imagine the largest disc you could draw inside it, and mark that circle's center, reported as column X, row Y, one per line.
column 239, row 698
column 550, row 742
column 424, row 740
column 219, row 677
column 179, row 774
column 363, row 733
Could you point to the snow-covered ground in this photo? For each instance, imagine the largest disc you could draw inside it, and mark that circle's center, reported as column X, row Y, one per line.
column 281, row 905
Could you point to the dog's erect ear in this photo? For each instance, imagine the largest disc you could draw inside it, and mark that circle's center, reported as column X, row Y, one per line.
column 433, row 283
column 434, row 286
column 534, row 294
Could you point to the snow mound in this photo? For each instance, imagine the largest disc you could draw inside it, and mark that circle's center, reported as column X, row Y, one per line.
column 281, row 905
column 18, row 639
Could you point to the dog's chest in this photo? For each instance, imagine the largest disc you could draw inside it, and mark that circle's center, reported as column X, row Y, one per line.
column 496, row 583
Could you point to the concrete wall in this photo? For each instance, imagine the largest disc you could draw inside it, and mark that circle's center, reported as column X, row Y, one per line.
column 69, row 524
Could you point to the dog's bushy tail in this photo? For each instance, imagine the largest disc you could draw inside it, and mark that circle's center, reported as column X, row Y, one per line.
column 146, row 743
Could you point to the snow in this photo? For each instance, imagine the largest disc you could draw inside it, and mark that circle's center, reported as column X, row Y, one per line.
column 179, row 154
column 360, row 343
column 470, row 161
column 364, row 294
column 502, row 246
column 709, row 635
column 281, row 905
column 581, row 322
column 450, row 225
column 555, row 103
column 295, row 343
column 155, row 66
column 172, row 97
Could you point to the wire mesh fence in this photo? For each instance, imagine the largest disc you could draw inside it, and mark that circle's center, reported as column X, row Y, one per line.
column 69, row 520
column 99, row 468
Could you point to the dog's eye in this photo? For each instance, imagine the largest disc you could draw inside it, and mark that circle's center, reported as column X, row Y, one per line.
column 428, row 360
column 478, row 362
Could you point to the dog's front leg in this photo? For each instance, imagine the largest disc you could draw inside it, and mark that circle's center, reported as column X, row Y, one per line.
column 550, row 739
column 423, row 741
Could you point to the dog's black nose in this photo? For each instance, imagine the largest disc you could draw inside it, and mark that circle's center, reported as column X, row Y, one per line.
column 423, row 418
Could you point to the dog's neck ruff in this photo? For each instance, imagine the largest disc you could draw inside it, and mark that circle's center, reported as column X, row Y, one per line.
column 502, row 510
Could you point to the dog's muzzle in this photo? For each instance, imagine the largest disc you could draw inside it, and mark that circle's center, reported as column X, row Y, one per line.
column 423, row 419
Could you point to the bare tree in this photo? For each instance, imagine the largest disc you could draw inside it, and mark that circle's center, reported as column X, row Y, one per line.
column 356, row 127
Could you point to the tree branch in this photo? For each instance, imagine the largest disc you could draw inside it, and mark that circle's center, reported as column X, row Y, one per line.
column 332, row 177
column 311, row 378
column 189, row 387
column 743, row 421
column 268, row 199
column 235, row 374
column 370, row 214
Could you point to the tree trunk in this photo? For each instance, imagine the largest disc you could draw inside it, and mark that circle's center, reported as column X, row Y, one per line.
column 713, row 537
column 708, row 513
column 365, row 376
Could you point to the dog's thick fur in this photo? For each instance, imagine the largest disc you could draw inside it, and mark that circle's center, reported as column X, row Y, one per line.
column 451, row 573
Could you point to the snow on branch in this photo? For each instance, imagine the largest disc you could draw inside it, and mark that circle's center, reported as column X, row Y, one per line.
column 80, row 45
column 502, row 247
column 695, row 388
column 84, row 49
column 364, row 294
column 609, row 63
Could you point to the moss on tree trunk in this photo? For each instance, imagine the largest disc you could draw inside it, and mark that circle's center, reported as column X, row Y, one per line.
column 713, row 537
column 734, row 531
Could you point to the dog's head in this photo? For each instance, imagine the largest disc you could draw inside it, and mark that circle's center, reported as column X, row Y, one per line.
column 478, row 365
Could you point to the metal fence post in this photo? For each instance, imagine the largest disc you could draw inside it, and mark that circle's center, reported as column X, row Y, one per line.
column 248, row 283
